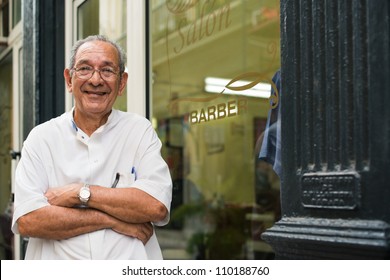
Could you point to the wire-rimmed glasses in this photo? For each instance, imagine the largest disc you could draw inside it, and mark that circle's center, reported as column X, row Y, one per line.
column 86, row 73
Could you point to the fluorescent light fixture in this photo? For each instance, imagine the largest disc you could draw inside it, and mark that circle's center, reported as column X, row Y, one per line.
column 218, row 85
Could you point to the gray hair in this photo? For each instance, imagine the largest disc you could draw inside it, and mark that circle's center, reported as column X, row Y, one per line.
column 78, row 44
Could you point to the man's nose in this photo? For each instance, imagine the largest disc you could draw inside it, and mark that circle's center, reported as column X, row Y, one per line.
column 96, row 78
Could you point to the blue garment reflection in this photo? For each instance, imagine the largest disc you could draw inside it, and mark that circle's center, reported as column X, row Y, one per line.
column 271, row 147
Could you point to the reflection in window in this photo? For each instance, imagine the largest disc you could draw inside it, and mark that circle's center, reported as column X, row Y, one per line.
column 106, row 17
column 224, row 197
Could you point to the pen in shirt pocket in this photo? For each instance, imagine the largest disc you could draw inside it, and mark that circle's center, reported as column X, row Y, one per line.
column 134, row 172
column 117, row 176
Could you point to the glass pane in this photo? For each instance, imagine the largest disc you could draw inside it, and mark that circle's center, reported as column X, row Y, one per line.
column 88, row 19
column 213, row 63
column 5, row 158
column 16, row 12
column 4, row 16
column 106, row 17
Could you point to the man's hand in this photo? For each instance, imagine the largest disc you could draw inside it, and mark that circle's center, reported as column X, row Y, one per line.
column 142, row 231
column 66, row 196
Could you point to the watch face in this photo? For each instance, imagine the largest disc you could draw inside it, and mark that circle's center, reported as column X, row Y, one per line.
column 84, row 193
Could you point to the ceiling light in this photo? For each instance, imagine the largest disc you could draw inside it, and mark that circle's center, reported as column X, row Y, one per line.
column 218, row 85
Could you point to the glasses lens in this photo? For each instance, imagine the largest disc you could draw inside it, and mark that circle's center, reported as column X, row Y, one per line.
column 107, row 73
column 85, row 72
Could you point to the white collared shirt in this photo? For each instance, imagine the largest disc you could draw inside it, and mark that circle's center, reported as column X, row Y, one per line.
column 57, row 153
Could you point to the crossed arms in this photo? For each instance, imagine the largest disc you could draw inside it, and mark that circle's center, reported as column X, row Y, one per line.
column 128, row 211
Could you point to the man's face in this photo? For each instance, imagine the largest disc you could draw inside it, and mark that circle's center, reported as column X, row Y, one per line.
column 95, row 95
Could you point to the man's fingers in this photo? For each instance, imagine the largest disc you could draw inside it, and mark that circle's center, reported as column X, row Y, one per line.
column 146, row 231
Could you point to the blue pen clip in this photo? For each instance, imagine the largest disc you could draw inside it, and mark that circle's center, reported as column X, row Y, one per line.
column 134, row 172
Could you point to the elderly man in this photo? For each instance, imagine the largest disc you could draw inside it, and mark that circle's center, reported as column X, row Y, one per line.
column 91, row 183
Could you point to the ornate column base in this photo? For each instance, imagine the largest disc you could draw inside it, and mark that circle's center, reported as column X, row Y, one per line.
column 311, row 238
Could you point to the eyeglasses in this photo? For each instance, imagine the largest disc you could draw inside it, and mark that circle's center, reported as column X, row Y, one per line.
column 86, row 73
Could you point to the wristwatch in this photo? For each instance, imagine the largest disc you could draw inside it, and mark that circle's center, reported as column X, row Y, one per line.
column 84, row 194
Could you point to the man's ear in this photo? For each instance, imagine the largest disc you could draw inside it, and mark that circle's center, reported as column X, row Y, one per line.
column 68, row 79
column 122, row 83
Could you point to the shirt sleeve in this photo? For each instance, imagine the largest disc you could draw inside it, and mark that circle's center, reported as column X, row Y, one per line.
column 31, row 181
column 152, row 171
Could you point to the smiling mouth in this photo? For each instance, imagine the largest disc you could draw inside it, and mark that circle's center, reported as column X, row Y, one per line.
column 100, row 93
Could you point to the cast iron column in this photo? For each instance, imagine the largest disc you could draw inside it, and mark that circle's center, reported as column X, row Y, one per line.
column 335, row 190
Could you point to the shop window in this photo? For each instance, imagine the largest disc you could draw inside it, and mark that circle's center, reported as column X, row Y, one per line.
column 212, row 67
column 106, row 17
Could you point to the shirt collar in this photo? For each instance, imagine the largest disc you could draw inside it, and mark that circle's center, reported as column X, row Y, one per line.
column 71, row 113
column 112, row 119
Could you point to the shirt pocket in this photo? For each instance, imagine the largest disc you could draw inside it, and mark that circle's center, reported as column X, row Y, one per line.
column 126, row 180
